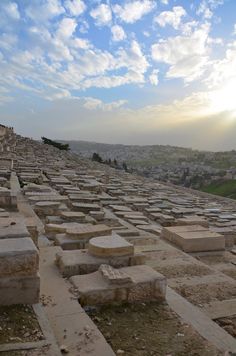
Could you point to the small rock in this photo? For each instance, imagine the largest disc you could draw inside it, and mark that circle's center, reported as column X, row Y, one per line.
column 120, row 352
column 64, row 349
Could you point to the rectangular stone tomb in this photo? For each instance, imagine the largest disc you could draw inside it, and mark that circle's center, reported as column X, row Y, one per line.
column 196, row 241
column 13, row 228
column 127, row 284
column 169, row 233
column 19, row 279
column 87, row 231
column 85, row 208
column 19, row 290
column 77, row 262
column 18, row 257
column 192, row 220
column 73, row 216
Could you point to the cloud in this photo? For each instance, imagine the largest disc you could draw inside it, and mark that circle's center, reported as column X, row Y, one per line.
column 102, row 14
column 223, row 70
column 204, row 10
column 95, row 104
column 11, row 9
column 75, row 7
column 172, row 18
column 44, row 10
column 153, row 77
column 7, row 41
column 118, row 34
column 186, row 55
column 66, row 27
column 234, row 29
column 133, row 11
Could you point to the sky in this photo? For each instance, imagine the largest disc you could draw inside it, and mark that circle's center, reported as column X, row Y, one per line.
column 129, row 71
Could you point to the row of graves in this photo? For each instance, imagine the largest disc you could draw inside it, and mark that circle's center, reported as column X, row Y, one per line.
column 117, row 237
column 19, row 257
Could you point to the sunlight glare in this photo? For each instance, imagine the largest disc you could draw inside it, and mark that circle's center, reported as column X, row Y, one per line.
column 224, row 99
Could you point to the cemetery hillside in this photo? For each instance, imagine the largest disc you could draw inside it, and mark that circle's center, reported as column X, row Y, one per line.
column 98, row 260
column 117, row 177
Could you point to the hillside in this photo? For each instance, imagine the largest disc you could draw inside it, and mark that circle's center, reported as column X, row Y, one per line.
column 151, row 155
column 223, row 188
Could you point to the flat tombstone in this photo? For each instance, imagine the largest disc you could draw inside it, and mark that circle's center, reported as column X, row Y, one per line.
column 86, row 231
column 109, row 246
column 18, row 257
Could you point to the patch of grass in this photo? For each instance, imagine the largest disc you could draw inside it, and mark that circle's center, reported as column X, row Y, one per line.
column 222, row 188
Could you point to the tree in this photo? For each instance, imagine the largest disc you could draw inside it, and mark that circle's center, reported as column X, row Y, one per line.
column 125, row 167
column 97, row 158
column 60, row 146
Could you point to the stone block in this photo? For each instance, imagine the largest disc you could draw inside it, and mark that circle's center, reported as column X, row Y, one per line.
column 87, row 231
column 113, row 245
column 18, row 257
column 198, row 241
column 140, row 283
column 19, row 290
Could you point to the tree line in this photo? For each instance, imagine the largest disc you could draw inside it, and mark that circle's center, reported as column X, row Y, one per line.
column 112, row 163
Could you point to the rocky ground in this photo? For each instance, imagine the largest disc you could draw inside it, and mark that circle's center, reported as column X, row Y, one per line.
column 18, row 323
column 149, row 329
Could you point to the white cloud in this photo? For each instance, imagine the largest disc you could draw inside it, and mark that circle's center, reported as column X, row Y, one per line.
column 75, row 7
column 12, row 11
column 133, row 58
column 223, row 70
column 205, row 10
column 234, row 30
column 165, row 2
column 118, row 34
column 187, row 55
column 153, row 77
column 66, row 27
column 133, row 11
column 44, row 10
column 102, row 14
column 7, row 41
column 94, row 104
column 172, row 18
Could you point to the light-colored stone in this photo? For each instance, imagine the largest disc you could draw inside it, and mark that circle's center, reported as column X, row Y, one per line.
column 107, row 246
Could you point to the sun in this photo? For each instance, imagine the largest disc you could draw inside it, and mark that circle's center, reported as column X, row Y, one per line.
column 224, row 99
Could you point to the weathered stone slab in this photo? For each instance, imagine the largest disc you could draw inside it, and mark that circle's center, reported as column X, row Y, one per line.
column 169, row 233
column 85, row 208
column 73, row 216
column 44, row 208
column 192, row 220
column 19, row 290
column 87, row 231
column 113, row 245
column 18, row 257
column 13, row 228
column 143, row 284
column 198, row 241
column 77, row 262
column 48, row 197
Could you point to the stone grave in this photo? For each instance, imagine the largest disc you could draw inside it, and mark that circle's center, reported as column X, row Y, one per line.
column 194, row 238
column 128, row 284
column 112, row 250
column 19, row 278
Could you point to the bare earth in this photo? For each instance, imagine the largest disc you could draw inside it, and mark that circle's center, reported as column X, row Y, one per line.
column 149, row 329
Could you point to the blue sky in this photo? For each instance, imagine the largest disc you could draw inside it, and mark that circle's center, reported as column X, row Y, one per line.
column 134, row 72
